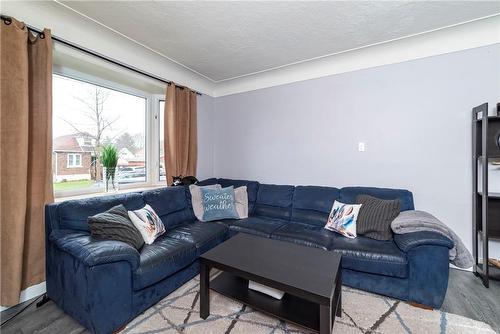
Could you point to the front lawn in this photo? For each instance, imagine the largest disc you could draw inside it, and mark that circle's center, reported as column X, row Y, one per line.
column 71, row 185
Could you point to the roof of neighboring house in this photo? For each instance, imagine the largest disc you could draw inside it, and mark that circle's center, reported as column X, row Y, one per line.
column 140, row 152
column 69, row 143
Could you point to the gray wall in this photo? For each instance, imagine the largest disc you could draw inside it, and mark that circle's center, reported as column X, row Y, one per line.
column 414, row 118
column 205, row 112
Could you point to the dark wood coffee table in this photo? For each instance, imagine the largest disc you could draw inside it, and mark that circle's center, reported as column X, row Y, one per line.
column 310, row 278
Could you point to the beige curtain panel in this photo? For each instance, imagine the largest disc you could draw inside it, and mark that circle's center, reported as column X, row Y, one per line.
column 181, row 147
column 25, row 152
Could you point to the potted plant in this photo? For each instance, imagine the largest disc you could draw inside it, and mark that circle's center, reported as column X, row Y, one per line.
column 109, row 160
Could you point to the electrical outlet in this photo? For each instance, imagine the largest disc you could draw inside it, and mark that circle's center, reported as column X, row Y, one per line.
column 361, row 147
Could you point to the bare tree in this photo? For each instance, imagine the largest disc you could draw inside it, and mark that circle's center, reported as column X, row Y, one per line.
column 93, row 105
column 125, row 140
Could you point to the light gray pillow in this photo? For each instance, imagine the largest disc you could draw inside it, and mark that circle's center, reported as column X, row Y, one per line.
column 196, row 198
column 241, row 201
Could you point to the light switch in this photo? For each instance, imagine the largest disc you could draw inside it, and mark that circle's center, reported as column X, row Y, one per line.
column 361, row 147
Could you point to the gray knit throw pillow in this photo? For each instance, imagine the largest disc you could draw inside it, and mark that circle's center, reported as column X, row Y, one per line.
column 375, row 217
column 115, row 224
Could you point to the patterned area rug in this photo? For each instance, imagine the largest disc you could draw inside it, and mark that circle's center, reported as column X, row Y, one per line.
column 362, row 312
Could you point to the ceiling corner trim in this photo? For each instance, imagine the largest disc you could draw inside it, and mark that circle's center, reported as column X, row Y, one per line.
column 463, row 36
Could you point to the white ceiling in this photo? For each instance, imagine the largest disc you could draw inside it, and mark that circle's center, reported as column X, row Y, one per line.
column 226, row 40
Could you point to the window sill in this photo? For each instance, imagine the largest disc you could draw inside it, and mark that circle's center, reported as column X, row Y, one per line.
column 123, row 191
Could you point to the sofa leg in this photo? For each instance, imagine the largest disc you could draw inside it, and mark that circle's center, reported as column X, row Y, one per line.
column 422, row 306
column 45, row 300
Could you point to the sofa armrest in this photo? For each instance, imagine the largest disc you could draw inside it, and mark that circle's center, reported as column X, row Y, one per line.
column 408, row 241
column 92, row 252
column 428, row 261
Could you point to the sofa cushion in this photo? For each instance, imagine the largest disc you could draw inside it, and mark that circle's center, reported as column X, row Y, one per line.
column 312, row 204
column 274, row 201
column 349, row 195
column 161, row 259
column 252, row 187
column 203, row 235
column 257, row 226
column 371, row 256
column 228, row 222
column 172, row 204
column 304, row 234
column 73, row 214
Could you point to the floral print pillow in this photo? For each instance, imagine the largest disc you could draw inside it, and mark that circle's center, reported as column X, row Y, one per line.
column 342, row 219
column 148, row 223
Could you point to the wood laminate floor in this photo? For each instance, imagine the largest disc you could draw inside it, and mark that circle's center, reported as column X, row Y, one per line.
column 466, row 296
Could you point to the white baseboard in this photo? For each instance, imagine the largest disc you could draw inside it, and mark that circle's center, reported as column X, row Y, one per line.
column 27, row 294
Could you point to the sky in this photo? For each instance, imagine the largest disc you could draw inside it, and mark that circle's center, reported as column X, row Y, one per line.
column 129, row 110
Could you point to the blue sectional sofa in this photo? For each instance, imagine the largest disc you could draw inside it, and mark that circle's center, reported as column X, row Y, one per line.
column 105, row 284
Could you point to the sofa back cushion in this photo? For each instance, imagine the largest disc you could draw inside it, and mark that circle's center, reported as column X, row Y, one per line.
column 274, row 201
column 252, row 188
column 73, row 214
column 207, row 182
column 172, row 204
column 349, row 194
column 312, row 204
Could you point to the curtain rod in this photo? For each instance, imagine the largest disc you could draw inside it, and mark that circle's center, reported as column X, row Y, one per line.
column 8, row 20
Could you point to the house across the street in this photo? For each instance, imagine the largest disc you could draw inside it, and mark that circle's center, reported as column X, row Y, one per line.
column 72, row 158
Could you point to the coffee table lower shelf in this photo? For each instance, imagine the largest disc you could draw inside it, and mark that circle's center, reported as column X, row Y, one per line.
column 290, row 308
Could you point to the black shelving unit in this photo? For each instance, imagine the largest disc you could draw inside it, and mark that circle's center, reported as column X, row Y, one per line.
column 486, row 205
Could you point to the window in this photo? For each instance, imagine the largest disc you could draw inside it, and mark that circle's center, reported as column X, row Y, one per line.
column 161, row 112
column 88, row 115
column 74, row 160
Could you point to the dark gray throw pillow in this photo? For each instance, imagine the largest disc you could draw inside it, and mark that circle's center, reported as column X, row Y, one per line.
column 375, row 217
column 115, row 224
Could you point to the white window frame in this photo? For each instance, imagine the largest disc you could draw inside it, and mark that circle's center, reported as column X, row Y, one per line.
column 71, row 157
column 151, row 129
column 157, row 99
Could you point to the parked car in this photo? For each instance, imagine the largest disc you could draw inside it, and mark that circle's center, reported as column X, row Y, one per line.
column 131, row 174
